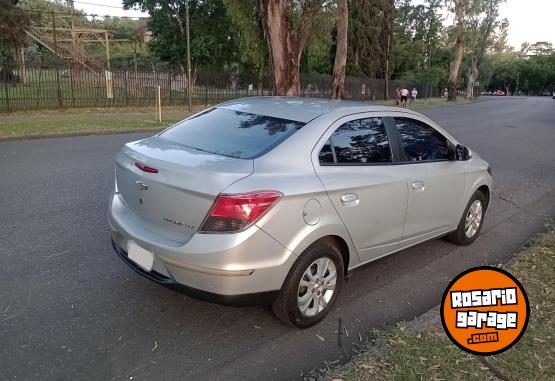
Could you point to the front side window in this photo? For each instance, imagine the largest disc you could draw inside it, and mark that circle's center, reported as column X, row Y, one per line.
column 359, row 141
column 420, row 141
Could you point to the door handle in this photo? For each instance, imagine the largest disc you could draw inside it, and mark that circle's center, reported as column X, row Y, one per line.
column 418, row 186
column 350, row 199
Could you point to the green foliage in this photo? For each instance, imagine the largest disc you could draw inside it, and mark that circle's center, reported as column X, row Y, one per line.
column 214, row 41
column 369, row 24
column 419, row 52
column 319, row 52
column 534, row 74
column 252, row 47
column 406, row 35
column 13, row 21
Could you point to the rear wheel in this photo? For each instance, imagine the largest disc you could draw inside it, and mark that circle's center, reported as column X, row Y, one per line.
column 471, row 222
column 312, row 286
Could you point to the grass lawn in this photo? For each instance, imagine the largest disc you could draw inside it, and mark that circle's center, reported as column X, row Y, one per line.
column 88, row 121
column 427, row 353
column 422, row 104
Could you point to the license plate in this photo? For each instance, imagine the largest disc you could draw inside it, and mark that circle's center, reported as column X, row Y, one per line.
column 140, row 256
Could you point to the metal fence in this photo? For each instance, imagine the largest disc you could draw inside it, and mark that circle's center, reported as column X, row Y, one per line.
column 65, row 86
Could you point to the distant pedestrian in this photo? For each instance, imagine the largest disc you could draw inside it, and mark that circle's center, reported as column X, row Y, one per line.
column 413, row 95
column 397, row 96
column 404, row 97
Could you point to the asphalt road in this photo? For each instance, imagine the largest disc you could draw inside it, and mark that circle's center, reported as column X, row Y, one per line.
column 70, row 309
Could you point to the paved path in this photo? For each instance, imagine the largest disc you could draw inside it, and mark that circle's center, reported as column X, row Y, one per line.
column 70, row 309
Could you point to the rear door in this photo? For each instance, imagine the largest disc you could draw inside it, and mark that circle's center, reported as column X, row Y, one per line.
column 355, row 164
column 435, row 183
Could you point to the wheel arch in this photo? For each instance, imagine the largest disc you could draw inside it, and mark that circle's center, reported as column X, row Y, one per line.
column 485, row 190
column 339, row 242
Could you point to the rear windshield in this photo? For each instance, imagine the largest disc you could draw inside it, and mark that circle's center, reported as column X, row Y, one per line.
column 232, row 133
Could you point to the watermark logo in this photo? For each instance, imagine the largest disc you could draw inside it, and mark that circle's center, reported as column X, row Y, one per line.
column 485, row 310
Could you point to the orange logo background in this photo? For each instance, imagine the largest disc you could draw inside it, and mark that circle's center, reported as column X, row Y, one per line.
column 511, row 319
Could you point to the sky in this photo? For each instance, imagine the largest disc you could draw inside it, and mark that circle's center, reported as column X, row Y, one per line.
column 106, row 7
column 529, row 20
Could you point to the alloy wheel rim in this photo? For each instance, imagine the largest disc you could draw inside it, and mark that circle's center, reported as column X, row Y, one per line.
column 316, row 287
column 473, row 219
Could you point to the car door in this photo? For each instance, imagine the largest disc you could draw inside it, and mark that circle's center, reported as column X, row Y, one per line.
column 435, row 182
column 355, row 164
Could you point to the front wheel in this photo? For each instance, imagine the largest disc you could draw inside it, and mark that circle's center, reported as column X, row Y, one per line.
column 312, row 286
column 471, row 222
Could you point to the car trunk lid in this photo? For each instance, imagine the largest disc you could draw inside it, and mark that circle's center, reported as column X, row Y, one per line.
column 173, row 201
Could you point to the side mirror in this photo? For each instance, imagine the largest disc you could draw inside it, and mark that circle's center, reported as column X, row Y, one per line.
column 462, row 153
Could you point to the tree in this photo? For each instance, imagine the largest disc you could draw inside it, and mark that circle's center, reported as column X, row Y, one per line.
column 459, row 49
column 13, row 22
column 417, row 35
column 245, row 15
column 132, row 30
column 286, row 28
column 213, row 41
column 338, row 79
column 370, row 37
column 319, row 50
column 541, row 48
column 481, row 26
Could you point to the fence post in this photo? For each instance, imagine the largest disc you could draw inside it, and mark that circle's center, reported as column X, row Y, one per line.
column 158, row 105
column 7, row 94
column 206, row 92
column 125, row 85
column 71, row 84
column 170, row 87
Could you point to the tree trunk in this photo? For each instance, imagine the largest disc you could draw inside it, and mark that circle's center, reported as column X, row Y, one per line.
column 389, row 26
column 286, row 41
column 459, row 50
column 22, row 67
column 472, row 75
column 387, row 75
column 260, row 84
column 338, row 80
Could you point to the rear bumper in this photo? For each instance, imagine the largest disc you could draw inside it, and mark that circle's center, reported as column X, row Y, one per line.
column 236, row 269
column 257, row 298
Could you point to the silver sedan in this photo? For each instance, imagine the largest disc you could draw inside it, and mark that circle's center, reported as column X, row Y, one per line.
column 273, row 200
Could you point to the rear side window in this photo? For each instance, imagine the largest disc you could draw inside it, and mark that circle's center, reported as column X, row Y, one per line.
column 361, row 141
column 232, row 133
column 420, row 141
column 326, row 154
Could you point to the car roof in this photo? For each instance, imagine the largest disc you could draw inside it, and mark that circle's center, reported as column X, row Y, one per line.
column 299, row 109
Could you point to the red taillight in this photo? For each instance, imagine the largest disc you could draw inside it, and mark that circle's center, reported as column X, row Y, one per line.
column 146, row 168
column 233, row 212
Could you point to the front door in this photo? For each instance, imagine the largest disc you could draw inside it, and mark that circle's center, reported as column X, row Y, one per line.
column 355, row 165
column 435, row 182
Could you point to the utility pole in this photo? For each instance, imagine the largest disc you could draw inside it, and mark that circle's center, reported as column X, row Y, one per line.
column 189, row 87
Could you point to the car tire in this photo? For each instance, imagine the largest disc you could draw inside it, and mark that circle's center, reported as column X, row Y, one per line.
column 471, row 221
column 303, row 305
